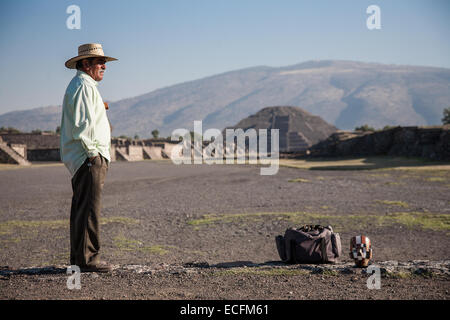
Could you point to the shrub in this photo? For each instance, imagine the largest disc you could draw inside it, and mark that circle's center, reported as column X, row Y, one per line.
column 364, row 128
column 446, row 118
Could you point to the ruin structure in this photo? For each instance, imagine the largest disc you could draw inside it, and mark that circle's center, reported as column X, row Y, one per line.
column 22, row 148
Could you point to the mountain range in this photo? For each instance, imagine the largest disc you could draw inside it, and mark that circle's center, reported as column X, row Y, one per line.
column 346, row 94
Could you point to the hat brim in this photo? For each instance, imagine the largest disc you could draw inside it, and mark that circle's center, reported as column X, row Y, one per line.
column 71, row 63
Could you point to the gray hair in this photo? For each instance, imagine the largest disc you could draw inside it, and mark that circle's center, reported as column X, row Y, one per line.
column 79, row 65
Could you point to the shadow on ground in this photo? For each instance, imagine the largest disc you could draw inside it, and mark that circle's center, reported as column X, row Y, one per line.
column 369, row 163
column 233, row 264
column 6, row 271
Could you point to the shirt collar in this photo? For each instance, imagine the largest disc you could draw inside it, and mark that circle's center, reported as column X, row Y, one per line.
column 87, row 77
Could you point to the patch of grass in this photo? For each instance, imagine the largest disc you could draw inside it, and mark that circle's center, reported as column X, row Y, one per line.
column 437, row 222
column 299, row 180
column 423, row 273
column 436, row 170
column 297, row 218
column 393, row 183
column 261, row 272
column 436, row 179
column 10, row 226
column 122, row 220
column 401, row 275
column 329, row 272
column 125, row 244
column 155, row 249
column 5, row 166
column 377, row 175
column 11, row 240
column 225, row 218
column 393, row 203
column 424, row 220
column 352, row 164
column 367, row 163
column 207, row 219
column 431, row 174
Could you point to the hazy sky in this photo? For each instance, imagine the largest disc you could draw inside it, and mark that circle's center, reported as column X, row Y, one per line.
column 164, row 42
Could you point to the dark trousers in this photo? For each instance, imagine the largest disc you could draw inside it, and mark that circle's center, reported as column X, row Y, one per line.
column 87, row 186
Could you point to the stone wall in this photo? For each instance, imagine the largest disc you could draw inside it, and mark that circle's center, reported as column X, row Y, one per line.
column 33, row 146
column 32, row 140
column 13, row 154
column 135, row 153
column 45, row 147
column 43, row 155
column 5, row 157
column 21, row 149
column 427, row 142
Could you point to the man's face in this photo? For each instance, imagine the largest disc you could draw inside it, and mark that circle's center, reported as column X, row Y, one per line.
column 96, row 69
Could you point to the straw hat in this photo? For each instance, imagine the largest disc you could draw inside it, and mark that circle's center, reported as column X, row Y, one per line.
column 87, row 50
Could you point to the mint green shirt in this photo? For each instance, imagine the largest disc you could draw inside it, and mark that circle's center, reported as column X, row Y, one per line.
column 85, row 130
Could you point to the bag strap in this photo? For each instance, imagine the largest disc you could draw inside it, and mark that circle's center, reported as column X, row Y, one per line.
column 312, row 227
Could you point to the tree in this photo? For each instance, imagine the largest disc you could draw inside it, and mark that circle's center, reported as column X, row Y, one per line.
column 364, row 128
column 155, row 133
column 9, row 130
column 446, row 118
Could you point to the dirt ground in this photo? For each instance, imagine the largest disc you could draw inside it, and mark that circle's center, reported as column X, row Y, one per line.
column 207, row 231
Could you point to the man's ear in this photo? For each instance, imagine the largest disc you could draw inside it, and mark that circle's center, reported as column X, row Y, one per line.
column 85, row 63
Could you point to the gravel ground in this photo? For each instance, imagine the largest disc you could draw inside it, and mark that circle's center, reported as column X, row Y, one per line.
column 217, row 225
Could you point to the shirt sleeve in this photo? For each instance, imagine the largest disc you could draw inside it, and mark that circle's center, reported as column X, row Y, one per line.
column 83, row 115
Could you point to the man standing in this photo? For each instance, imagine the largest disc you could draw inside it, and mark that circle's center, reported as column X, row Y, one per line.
column 85, row 145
